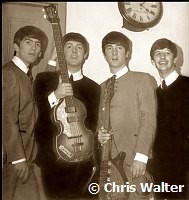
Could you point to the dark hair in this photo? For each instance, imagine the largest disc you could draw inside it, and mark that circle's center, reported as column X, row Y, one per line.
column 161, row 44
column 32, row 32
column 76, row 37
column 115, row 37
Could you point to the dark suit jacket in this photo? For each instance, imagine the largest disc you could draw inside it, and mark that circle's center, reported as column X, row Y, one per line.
column 19, row 115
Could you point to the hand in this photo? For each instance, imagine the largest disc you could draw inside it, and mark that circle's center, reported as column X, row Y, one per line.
column 138, row 169
column 63, row 89
column 53, row 53
column 22, row 171
column 104, row 135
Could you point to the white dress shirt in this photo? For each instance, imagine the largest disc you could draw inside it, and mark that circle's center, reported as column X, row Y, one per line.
column 20, row 64
column 170, row 78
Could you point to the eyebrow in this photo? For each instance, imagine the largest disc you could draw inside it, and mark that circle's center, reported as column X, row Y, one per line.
column 31, row 39
column 162, row 50
column 72, row 44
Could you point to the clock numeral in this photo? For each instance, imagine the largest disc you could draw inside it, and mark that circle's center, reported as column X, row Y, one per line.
column 134, row 16
column 152, row 12
column 141, row 19
column 148, row 18
column 153, row 6
column 129, row 10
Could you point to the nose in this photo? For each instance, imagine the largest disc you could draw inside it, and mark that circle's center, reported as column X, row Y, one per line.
column 74, row 50
column 162, row 55
column 114, row 51
column 33, row 46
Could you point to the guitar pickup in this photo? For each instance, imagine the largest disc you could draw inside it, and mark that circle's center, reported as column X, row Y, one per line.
column 71, row 119
column 77, row 144
column 70, row 109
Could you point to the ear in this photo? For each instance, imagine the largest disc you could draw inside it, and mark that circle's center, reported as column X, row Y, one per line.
column 39, row 55
column 86, row 55
column 175, row 60
column 16, row 47
column 127, row 54
column 153, row 63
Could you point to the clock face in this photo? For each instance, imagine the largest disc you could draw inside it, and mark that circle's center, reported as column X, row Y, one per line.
column 141, row 14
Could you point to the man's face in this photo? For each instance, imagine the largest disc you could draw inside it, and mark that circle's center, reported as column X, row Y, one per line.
column 29, row 50
column 115, row 55
column 74, row 54
column 164, row 60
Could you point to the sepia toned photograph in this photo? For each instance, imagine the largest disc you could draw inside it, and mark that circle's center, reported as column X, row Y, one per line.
column 95, row 100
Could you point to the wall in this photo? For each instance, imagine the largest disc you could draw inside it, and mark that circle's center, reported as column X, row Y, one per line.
column 95, row 19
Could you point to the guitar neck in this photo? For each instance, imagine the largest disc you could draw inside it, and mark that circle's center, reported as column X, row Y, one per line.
column 106, row 148
column 106, row 151
column 61, row 59
column 60, row 52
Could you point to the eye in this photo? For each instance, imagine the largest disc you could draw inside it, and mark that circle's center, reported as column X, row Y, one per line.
column 168, row 53
column 29, row 42
column 120, row 47
column 38, row 44
column 157, row 54
column 68, row 46
column 109, row 47
column 80, row 47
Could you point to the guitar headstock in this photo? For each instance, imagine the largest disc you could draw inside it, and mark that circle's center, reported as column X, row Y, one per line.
column 51, row 13
column 109, row 89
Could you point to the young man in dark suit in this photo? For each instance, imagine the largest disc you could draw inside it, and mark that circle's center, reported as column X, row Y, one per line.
column 19, row 116
column 132, row 111
column 171, row 146
column 65, row 180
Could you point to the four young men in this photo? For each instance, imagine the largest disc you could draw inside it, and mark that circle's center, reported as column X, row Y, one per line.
column 133, row 110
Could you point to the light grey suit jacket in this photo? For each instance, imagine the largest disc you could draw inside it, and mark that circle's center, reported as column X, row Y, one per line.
column 132, row 114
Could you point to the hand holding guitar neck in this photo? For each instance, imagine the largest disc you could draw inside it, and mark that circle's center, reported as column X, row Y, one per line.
column 104, row 135
column 63, row 89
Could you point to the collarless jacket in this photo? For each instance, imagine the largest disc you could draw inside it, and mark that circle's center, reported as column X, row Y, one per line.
column 132, row 114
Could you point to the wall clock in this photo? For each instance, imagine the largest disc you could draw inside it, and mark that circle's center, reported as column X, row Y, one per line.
column 139, row 16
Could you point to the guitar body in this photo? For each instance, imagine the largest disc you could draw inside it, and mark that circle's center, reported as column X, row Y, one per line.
column 74, row 143
column 112, row 171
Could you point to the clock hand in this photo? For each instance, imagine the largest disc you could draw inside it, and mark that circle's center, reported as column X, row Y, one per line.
column 144, row 7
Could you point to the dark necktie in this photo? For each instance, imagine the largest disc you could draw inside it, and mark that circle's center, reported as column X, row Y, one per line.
column 29, row 74
column 71, row 78
column 164, row 84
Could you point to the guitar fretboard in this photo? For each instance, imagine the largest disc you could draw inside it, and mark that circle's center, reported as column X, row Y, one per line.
column 61, row 60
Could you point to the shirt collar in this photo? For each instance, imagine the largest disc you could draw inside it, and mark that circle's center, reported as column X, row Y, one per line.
column 20, row 64
column 121, row 72
column 76, row 76
column 170, row 78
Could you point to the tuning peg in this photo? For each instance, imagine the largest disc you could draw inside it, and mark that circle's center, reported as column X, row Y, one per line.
column 45, row 16
column 43, row 10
